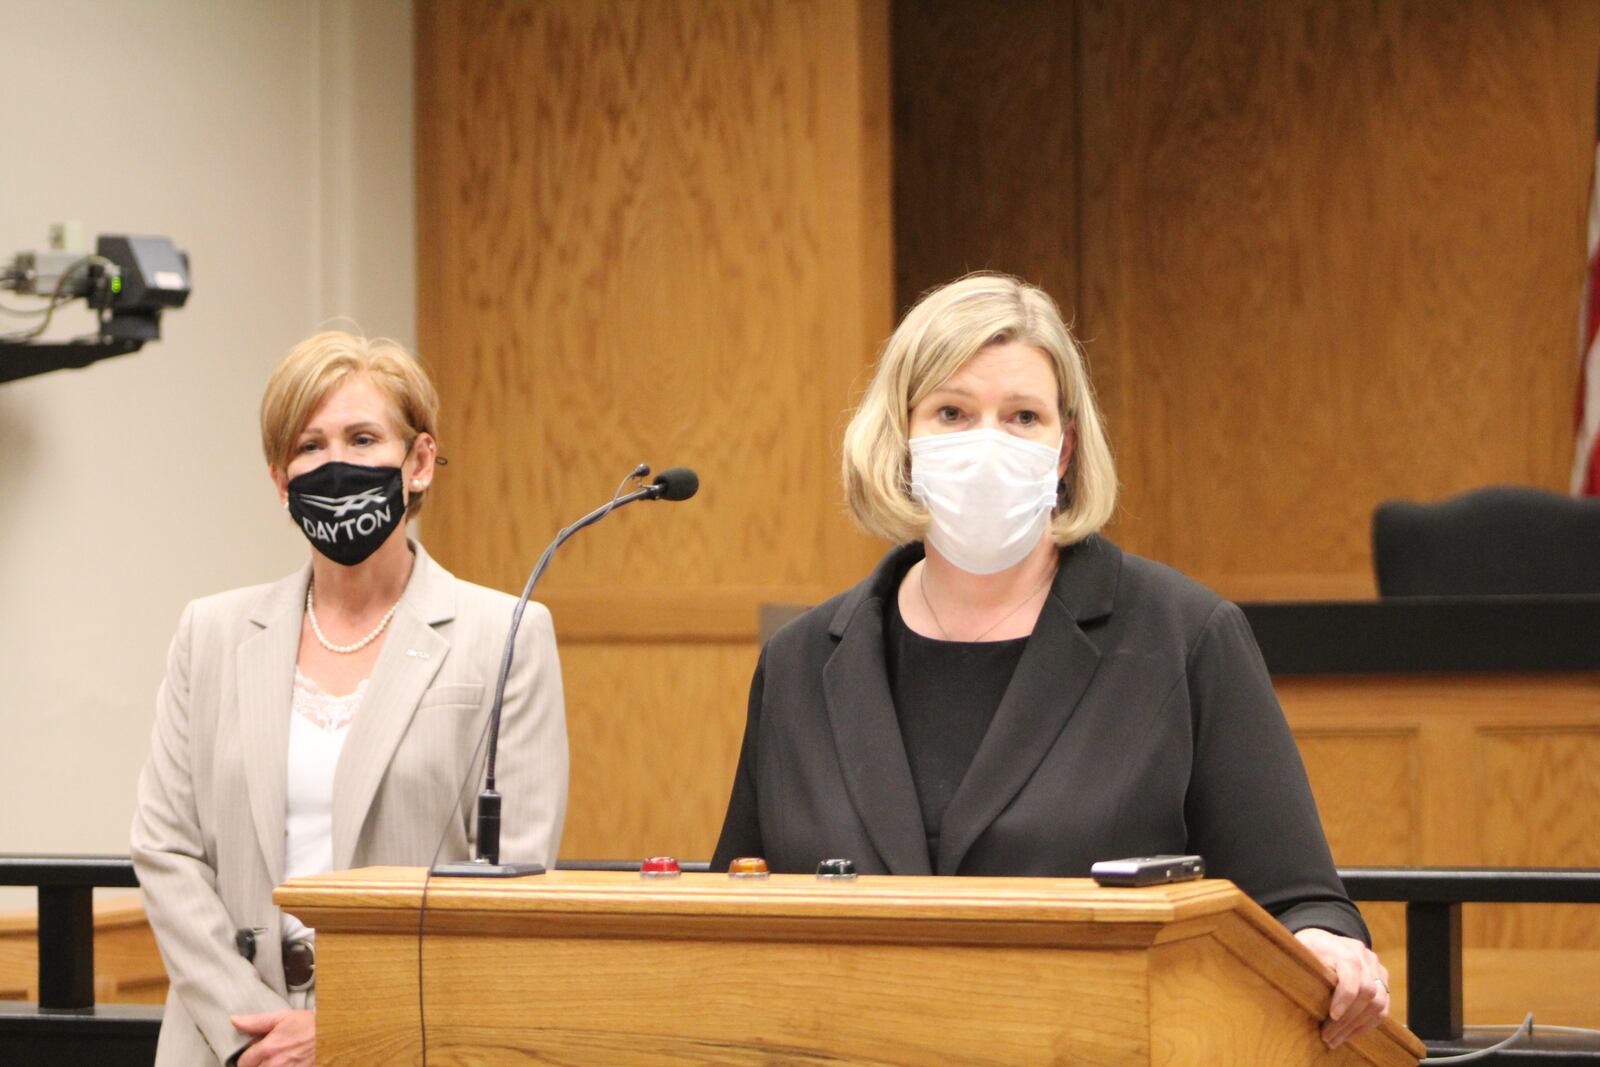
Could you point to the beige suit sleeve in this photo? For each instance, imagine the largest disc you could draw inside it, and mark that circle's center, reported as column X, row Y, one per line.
column 192, row 927
column 532, row 763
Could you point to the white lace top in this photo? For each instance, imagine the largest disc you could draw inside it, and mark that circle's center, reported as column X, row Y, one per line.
column 317, row 729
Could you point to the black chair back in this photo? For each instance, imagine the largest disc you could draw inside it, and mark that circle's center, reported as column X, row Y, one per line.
column 1502, row 540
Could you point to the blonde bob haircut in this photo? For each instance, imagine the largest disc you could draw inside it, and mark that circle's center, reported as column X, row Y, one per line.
column 945, row 329
column 318, row 365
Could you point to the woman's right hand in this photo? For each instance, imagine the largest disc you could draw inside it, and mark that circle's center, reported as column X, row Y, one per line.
column 287, row 1038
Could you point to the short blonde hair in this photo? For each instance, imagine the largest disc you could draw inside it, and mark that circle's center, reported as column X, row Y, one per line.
column 945, row 329
column 320, row 364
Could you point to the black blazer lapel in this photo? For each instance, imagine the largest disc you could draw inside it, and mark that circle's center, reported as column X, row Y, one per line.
column 1055, row 671
column 866, row 735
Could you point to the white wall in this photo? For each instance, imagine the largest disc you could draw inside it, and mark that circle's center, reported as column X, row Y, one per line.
column 271, row 139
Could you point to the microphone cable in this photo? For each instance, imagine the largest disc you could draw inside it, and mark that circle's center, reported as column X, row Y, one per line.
column 1526, row 1028
column 1523, row 1028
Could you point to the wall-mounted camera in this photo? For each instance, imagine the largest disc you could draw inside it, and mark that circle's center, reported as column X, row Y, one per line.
column 129, row 281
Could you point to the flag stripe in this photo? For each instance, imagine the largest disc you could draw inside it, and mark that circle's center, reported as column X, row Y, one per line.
column 1586, row 446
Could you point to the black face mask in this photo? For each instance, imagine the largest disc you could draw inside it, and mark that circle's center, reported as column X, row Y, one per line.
column 348, row 511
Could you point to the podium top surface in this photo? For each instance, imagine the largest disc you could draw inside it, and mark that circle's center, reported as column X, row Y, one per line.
column 1014, row 900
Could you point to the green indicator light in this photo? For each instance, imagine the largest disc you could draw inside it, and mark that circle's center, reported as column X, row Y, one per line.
column 116, row 285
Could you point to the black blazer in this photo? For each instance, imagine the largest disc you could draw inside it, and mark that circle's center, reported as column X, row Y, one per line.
column 1140, row 721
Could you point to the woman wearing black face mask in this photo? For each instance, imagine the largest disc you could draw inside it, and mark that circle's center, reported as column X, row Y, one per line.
column 1009, row 693
column 326, row 721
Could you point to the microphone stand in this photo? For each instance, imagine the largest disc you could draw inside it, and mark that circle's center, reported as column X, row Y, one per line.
column 486, row 864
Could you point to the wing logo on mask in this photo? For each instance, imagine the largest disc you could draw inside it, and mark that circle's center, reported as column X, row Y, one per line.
column 343, row 505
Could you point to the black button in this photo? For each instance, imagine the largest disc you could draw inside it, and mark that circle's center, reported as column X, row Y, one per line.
column 836, row 869
column 244, row 939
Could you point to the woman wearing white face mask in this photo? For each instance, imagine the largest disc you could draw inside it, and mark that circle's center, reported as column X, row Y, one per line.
column 1008, row 693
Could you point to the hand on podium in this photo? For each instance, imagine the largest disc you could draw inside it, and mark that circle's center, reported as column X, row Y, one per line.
column 1361, row 997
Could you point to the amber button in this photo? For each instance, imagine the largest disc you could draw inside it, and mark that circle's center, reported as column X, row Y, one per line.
column 748, row 867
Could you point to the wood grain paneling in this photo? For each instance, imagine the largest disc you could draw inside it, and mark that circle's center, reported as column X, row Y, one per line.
column 1536, row 779
column 1188, row 1029
column 655, row 732
column 1467, row 771
column 1500, row 765
column 1542, row 791
column 1366, row 785
column 1331, row 254
column 652, row 232
column 645, row 235
column 1320, row 256
column 983, row 144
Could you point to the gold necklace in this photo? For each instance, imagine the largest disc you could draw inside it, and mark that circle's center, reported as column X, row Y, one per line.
column 922, row 587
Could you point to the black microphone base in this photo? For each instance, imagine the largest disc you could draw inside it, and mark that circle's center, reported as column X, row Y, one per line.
column 479, row 869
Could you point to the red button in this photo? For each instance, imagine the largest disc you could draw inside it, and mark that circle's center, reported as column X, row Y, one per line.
column 659, row 867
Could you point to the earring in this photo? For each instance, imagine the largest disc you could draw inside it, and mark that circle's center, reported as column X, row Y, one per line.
column 417, row 486
column 285, row 503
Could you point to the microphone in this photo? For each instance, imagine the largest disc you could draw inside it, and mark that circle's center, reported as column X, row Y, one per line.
column 676, row 483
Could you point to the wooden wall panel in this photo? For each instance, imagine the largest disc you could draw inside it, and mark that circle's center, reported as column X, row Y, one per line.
column 984, row 143
column 1542, row 790
column 1365, row 782
column 1467, row 771
column 644, row 236
column 1365, row 785
column 1502, row 767
column 655, row 732
column 1331, row 254
column 651, row 232
column 1320, row 255
column 1543, row 784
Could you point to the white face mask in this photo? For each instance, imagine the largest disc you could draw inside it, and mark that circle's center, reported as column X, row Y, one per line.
column 990, row 495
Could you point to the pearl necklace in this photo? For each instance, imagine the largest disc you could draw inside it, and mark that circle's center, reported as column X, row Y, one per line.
column 345, row 650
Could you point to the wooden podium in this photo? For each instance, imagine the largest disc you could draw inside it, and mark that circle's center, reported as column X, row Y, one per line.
column 611, row 968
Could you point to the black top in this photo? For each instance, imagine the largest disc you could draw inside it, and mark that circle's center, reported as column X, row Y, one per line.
column 945, row 695
column 1140, row 720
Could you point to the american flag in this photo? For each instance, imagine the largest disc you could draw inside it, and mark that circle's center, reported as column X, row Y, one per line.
column 1586, row 456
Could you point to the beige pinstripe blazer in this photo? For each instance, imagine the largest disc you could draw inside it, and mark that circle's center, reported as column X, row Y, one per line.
column 208, row 833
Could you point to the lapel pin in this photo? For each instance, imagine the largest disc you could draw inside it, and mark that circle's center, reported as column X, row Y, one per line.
column 416, row 653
